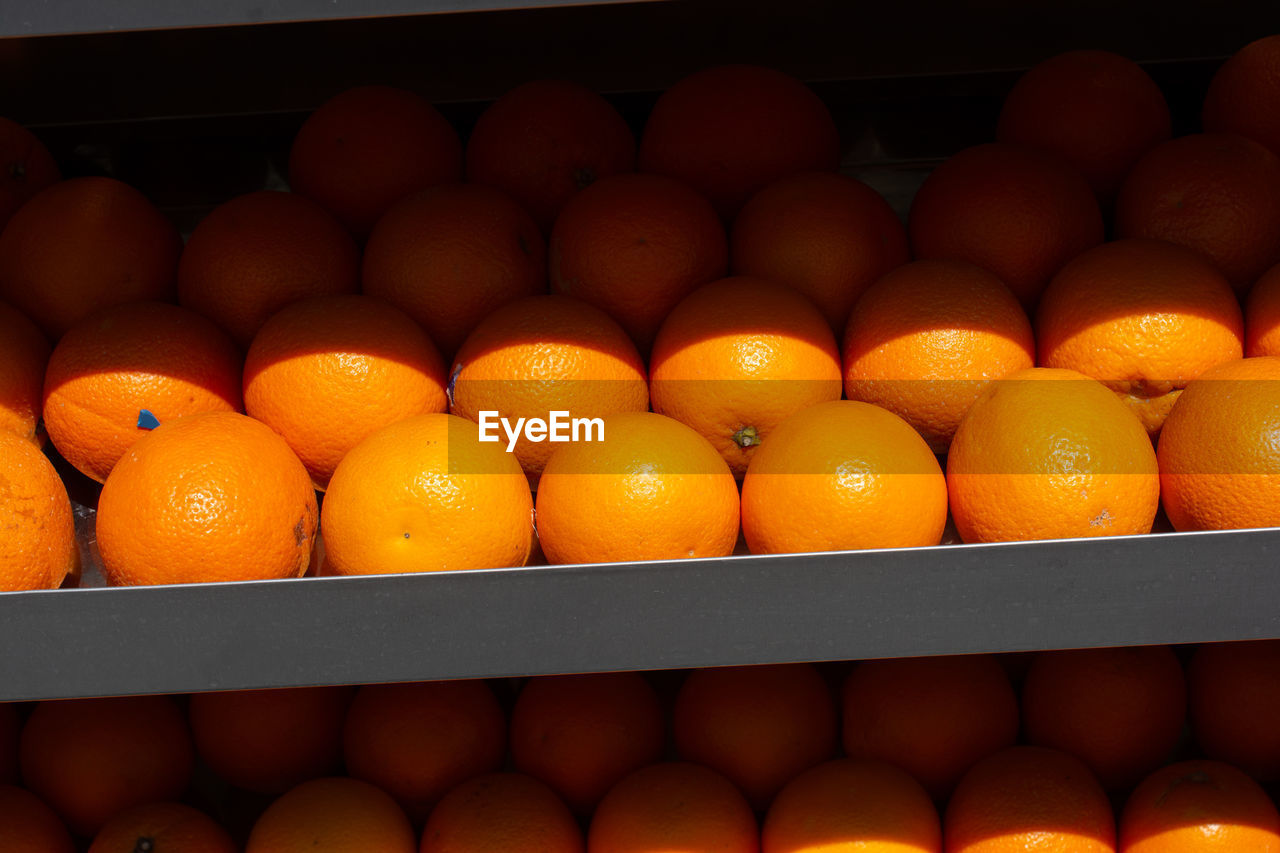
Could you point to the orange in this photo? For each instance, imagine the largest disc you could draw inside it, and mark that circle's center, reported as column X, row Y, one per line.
column 92, row 758
column 326, row 372
column 826, row 235
column 729, row 131
column 649, row 489
column 10, row 728
column 933, row 717
column 738, row 356
column 501, row 813
column 424, row 495
column 450, row 255
column 1018, row 212
column 1262, row 315
column 26, row 167
column 925, row 339
column 1235, row 696
column 366, row 148
column 38, row 548
column 417, row 741
column 1120, row 711
column 582, row 733
column 1143, row 317
column 634, row 246
column 82, row 245
column 542, row 354
column 1218, row 460
column 760, row 726
column 24, row 354
column 673, row 806
column 118, row 364
column 267, row 741
column 253, row 255
column 1216, row 193
column 163, row 828
column 847, row 806
column 211, row 497
column 1048, row 453
column 1029, row 798
column 334, row 815
column 1096, row 109
column 1242, row 94
column 860, row 469
column 1196, row 806
column 27, row 825
column 545, row 140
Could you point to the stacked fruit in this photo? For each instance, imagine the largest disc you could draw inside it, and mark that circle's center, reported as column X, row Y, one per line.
column 1075, row 750
column 384, row 335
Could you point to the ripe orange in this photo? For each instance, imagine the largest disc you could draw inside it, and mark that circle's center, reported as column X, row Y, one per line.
column 824, row 234
column 1262, row 315
column 268, row 741
column 650, row 489
column 1120, row 711
column 92, row 758
column 731, row 130
column 1235, row 697
column 1218, row 460
column 10, row 728
column 164, row 828
column 336, row 815
column 1242, row 94
column 1049, row 453
column 501, row 813
column 417, row 741
column 760, row 726
column 27, row 825
column 256, row 253
column 326, row 372
column 1029, row 798
column 545, row 140
column 634, row 246
column 24, row 354
column 862, row 470
column 847, row 805
column 210, row 497
column 925, row 339
column 542, row 354
column 1143, row 317
column 38, row 548
column 117, row 363
column 1018, row 212
column 582, row 733
column 1096, row 109
column 673, row 806
column 26, row 168
column 738, row 356
column 366, row 148
column 1216, row 193
column 1195, row 806
column 85, row 244
column 933, row 717
column 450, row 255
column 425, row 495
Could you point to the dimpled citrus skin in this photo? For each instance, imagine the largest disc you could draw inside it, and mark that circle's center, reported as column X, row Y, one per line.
column 1143, row 317
column 24, row 353
column 333, row 815
column 209, row 497
column 653, row 489
column 1262, row 315
column 1049, row 453
column 423, row 495
column 841, row 475
column 37, row 531
column 1196, row 806
column 1219, row 463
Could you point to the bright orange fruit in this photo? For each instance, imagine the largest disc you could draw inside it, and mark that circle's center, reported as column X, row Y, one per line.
column 1195, row 806
column 1262, row 315
column 24, row 354
column 336, row 815
column 38, row 549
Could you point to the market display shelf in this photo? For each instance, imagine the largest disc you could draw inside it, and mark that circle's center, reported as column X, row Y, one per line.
column 1155, row 588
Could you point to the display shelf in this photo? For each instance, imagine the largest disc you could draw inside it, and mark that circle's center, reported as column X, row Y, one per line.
column 1157, row 588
